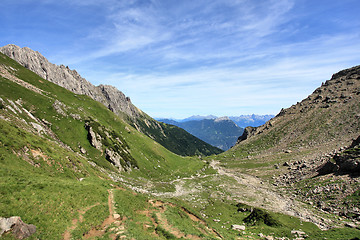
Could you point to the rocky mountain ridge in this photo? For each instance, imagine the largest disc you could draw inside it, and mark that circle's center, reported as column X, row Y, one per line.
column 331, row 113
column 174, row 139
column 63, row 76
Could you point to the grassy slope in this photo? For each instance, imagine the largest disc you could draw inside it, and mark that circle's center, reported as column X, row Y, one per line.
column 45, row 190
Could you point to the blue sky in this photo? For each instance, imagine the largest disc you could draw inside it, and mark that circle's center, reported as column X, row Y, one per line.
column 182, row 58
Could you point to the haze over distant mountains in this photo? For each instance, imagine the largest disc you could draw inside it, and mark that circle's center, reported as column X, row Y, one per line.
column 220, row 132
column 242, row 121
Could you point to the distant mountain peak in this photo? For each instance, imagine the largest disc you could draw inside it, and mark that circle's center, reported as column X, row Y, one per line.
column 225, row 118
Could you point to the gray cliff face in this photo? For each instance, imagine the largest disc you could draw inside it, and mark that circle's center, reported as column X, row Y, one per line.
column 110, row 96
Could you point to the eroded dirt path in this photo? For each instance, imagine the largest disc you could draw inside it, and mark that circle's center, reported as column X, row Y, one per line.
column 114, row 222
column 74, row 222
column 163, row 222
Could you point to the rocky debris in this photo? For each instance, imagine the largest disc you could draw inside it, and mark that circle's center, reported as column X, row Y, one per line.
column 60, row 107
column 346, row 161
column 63, row 76
column 299, row 234
column 17, row 227
column 238, row 227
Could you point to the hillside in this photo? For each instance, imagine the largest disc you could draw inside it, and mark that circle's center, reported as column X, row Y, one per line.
column 219, row 132
column 308, row 150
column 73, row 169
column 174, row 139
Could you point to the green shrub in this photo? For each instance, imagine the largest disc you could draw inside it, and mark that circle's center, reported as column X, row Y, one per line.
column 259, row 216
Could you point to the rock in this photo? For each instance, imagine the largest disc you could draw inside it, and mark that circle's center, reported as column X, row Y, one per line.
column 111, row 97
column 248, row 131
column 238, row 227
column 83, row 150
column 116, row 216
column 216, row 220
column 19, row 229
column 114, row 158
column 37, row 127
column 269, row 237
column 350, row 225
column 298, row 233
column 261, row 235
column 94, row 138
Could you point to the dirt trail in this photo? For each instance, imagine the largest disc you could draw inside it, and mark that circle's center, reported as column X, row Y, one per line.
column 112, row 219
column 163, row 222
column 253, row 191
column 74, row 222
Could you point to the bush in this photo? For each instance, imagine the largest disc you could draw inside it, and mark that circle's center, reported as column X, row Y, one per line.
column 259, row 216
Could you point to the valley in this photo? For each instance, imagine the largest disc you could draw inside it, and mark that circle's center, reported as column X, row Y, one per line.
column 78, row 169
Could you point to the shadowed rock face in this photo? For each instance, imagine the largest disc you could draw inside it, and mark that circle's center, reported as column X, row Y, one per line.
column 110, row 96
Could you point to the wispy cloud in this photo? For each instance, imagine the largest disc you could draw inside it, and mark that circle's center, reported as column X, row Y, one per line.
column 177, row 58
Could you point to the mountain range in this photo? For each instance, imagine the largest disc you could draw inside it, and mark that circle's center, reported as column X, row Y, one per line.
column 76, row 162
column 219, row 132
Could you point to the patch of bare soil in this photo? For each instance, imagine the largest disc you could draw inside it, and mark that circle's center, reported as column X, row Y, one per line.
column 253, row 191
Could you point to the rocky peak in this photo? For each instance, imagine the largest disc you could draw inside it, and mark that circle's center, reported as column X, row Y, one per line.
column 63, row 76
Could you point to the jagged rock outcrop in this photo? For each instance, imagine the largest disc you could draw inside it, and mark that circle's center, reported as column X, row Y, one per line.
column 63, row 76
column 248, row 131
column 18, row 228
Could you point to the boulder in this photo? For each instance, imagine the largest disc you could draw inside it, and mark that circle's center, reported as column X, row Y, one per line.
column 17, row 227
column 94, row 138
column 238, row 227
